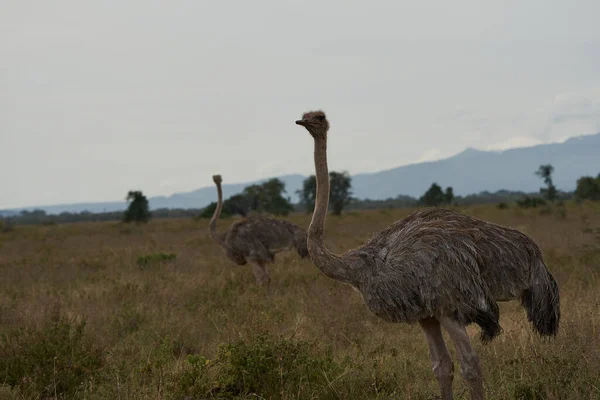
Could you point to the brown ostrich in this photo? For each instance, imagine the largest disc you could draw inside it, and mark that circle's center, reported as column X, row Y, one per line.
column 438, row 268
column 256, row 239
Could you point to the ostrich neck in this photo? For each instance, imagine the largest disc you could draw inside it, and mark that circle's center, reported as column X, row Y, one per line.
column 330, row 264
column 213, row 221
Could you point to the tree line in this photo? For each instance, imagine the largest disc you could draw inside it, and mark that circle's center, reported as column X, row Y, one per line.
column 270, row 197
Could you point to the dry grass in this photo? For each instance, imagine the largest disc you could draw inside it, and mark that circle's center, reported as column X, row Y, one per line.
column 194, row 325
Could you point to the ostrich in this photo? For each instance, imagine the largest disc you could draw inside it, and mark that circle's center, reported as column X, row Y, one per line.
column 256, row 239
column 438, row 268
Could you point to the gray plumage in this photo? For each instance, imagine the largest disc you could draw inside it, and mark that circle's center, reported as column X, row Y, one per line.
column 438, row 262
column 438, row 268
column 256, row 239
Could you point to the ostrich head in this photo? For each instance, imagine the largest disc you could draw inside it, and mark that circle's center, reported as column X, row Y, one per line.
column 316, row 123
column 217, row 179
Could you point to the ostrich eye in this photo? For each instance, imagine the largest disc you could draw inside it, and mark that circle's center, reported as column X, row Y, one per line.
column 320, row 118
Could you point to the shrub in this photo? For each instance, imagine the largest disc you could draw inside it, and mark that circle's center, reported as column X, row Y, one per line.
column 156, row 258
column 54, row 359
column 8, row 393
column 529, row 392
column 588, row 188
column 7, row 225
column 546, row 210
column 262, row 365
column 209, row 210
column 531, row 202
column 561, row 211
column 192, row 381
column 127, row 320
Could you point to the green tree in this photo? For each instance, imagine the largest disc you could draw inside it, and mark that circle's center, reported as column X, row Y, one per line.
column 339, row 192
column 308, row 193
column 545, row 172
column 449, row 195
column 236, row 204
column 273, row 200
column 266, row 197
column 435, row 196
column 209, row 210
column 588, row 188
column 340, row 195
column 138, row 209
column 254, row 197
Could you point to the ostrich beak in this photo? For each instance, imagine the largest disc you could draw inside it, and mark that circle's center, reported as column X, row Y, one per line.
column 301, row 122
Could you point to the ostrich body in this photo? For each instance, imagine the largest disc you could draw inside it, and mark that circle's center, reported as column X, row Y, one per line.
column 256, row 239
column 438, row 268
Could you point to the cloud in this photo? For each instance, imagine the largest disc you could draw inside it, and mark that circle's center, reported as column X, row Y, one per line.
column 554, row 119
column 168, row 183
column 430, row 155
column 198, row 90
column 268, row 169
column 577, row 106
column 575, row 100
column 516, row 141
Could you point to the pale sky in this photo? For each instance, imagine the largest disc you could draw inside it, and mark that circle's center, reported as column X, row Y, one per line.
column 100, row 97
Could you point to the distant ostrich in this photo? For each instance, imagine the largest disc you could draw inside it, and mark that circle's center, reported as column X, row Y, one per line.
column 438, row 268
column 256, row 239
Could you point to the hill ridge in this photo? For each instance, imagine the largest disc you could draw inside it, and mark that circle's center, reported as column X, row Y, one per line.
column 469, row 171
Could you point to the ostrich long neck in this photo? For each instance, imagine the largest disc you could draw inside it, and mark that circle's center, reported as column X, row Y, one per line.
column 213, row 221
column 330, row 264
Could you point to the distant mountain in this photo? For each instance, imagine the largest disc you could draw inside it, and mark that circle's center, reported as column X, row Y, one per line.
column 471, row 171
column 8, row 213
column 195, row 199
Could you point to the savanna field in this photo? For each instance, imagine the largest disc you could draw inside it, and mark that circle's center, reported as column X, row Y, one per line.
column 156, row 311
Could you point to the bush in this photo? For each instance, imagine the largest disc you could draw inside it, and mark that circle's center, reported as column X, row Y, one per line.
column 7, row 225
column 546, row 210
column 209, row 210
column 54, row 359
column 192, row 381
column 156, row 258
column 262, row 365
column 502, row 206
column 529, row 392
column 588, row 188
column 8, row 393
column 127, row 320
column 531, row 202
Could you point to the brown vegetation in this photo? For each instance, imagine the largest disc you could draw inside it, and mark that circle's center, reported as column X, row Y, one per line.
column 194, row 325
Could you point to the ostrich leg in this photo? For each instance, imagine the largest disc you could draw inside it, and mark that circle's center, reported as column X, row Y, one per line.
column 469, row 362
column 443, row 367
column 260, row 273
